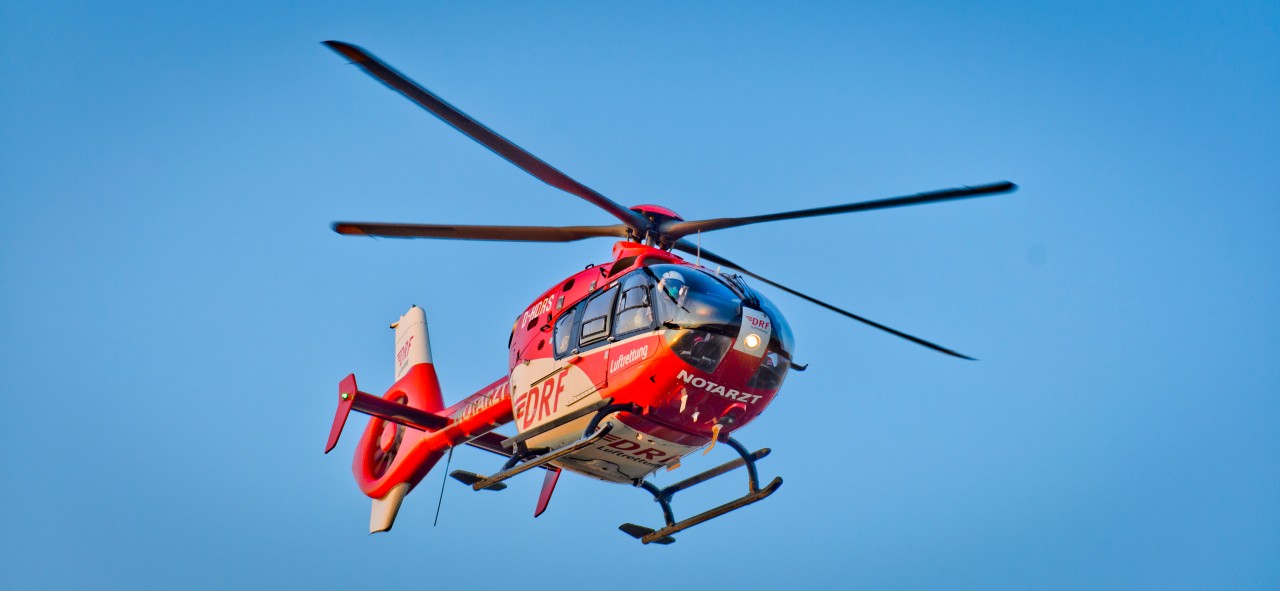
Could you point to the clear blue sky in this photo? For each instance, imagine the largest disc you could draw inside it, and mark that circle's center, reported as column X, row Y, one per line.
column 176, row 314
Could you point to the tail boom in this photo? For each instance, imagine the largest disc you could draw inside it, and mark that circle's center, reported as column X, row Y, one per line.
column 351, row 398
column 470, row 421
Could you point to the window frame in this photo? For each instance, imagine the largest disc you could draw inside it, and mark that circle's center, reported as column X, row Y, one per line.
column 571, row 315
column 605, row 335
column 648, row 287
column 614, row 293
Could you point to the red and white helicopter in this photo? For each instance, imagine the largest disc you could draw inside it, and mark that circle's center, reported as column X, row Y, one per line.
column 615, row 372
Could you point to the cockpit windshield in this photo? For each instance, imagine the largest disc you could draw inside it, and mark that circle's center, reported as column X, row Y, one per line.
column 781, row 330
column 704, row 315
column 690, row 298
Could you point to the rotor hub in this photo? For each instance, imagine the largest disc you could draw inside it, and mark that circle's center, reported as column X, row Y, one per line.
column 657, row 215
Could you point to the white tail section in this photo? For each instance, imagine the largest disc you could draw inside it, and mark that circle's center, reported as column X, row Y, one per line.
column 384, row 510
column 412, row 345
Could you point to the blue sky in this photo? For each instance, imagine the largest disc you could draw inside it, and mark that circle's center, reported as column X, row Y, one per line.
column 176, row 313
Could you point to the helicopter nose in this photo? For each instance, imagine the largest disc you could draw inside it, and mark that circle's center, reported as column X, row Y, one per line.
column 754, row 333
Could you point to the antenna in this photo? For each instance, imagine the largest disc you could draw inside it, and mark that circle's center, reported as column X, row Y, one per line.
column 440, row 501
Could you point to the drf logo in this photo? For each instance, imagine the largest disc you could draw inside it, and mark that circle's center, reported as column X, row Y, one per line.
column 403, row 353
column 755, row 331
column 645, row 454
column 540, row 401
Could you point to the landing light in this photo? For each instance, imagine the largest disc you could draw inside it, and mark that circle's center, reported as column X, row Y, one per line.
column 752, row 341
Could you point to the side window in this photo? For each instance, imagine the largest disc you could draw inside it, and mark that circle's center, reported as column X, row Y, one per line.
column 595, row 317
column 564, row 332
column 634, row 312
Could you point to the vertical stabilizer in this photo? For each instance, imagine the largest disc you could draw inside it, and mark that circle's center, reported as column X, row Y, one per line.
column 389, row 462
column 412, row 345
column 384, row 510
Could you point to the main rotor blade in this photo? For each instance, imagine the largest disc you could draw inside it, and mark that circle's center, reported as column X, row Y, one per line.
column 680, row 229
column 509, row 233
column 691, row 248
column 485, row 136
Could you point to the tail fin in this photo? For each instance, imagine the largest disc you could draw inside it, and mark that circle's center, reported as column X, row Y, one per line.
column 413, row 347
column 384, row 510
column 388, row 463
column 411, row 430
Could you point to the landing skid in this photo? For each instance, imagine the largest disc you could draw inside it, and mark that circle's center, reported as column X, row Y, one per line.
column 524, row 459
column 495, row 482
column 663, row 497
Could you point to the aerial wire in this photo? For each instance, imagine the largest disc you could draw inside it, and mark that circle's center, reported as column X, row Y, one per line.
column 440, row 501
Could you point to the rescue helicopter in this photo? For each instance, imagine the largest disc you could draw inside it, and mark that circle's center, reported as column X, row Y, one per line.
column 615, row 373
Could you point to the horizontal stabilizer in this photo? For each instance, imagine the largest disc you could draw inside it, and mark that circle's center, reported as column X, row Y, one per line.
column 351, row 398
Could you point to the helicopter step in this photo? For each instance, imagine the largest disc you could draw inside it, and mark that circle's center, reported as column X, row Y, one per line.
column 516, row 440
column 494, row 482
column 663, row 497
column 536, row 457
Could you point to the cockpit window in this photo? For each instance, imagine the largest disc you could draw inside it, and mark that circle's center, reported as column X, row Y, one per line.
column 781, row 330
column 595, row 317
column 564, row 332
column 703, row 312
column 672, row 284
column 692, row 298
column 772, row 370
column 634, row 312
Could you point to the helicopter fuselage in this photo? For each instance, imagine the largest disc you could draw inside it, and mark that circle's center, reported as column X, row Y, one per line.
column 616, row 372
column 699, row 352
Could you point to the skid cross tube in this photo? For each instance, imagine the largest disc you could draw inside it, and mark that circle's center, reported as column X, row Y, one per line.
column 663, row 496
column 608, row 410
column 603, row 409
column 568, row 418
column 540, row 456
column 536, row 457
column 542, row 459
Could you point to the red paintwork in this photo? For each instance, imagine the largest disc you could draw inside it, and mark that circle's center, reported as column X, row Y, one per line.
column 346, row 397
column 660, row 383
column 661, row 394
column 420, row 450
column 657, row 211
column 548, row 487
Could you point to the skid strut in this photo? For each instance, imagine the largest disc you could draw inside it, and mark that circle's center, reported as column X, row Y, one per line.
column 663, row 496
column 523, row 458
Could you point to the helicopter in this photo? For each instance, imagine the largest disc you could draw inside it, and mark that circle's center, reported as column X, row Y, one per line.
column 615, row 373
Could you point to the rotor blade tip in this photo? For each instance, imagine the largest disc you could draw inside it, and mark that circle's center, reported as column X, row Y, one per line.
column 955, row 354
column 346, row 229
column 347, row 50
